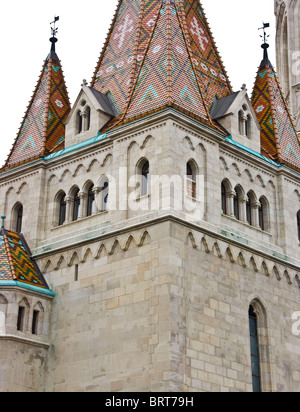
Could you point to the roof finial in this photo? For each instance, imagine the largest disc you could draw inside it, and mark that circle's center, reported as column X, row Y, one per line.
column 3, row 217
column 54, row 31
column 265, row 37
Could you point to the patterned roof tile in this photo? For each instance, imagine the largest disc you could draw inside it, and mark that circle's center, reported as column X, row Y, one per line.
column 16, row 263
column 160, row 53
column 42, row 131
column 279, row 139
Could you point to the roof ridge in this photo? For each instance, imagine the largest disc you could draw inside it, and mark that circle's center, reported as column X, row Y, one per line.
column 273, row 113
column 186, row 37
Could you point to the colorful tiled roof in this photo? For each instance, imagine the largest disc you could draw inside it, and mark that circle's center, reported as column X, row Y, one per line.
column 158, row 54
column 42, row 131
column 16, row 265
column 279, row 139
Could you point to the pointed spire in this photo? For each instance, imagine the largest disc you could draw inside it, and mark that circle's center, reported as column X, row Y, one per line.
column 42, row 130
column 279, row 139
column 161, row 54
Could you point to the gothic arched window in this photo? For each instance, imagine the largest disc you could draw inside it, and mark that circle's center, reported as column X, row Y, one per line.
column 298, row 224
column 224, row 198
column 91, row 201
column 254, row 349
column 191, row 179
column 62, row 209
column 19, row 216
column 79, row 122
column 76, row 206
column 143, row 171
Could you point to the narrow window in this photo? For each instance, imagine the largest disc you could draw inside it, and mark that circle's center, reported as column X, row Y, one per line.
column 191, row 180
column 298, row 224
column 248, row 126
column 241, row 122
column 224, row 199
column 88, row 118
column 62, row 210
column 236, row 206
column 76, row 275
column 249, row 213
column 19, row 219
column 21, row 316
column 35, row 322
column 104, row 196
column 261, row 217
column 254, row 349
column 145, row 179
column 91, row 201
column 79, row 122
column 76, row 206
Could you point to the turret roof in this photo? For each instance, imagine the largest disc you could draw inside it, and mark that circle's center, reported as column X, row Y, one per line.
column 17, row 268
column 279, row 139
column 42, row 130
column 158, row 54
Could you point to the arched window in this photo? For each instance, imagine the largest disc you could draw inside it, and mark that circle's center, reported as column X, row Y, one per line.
column 250, row 208
column 241, row 122
column 62, row 209
column 78, row 122
column 248, row 126
column 226, row 190
column 254, row 350
column 144, row 173
column 263, row 214
column 91, row 201
column 88, row 118
column 19, row 216
column 298, row 224
column 191, row 179
column 236, row 203
column 23, row 313
column 224, row 198
column 76, row 207
column 104, row 194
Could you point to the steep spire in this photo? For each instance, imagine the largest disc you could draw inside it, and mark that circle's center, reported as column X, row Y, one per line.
column 159, row 54
column 42, row 130
column 279, row 139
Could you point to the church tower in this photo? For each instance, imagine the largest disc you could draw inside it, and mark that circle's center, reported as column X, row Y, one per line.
column 162, row 217
column 288, row 53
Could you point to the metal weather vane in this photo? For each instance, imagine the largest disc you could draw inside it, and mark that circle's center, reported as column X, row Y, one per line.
column 265, row 35
column 54, row 29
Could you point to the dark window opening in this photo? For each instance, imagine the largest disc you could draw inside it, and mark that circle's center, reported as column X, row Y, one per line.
column 35, row 322
column 254, row 347
column 21, row 316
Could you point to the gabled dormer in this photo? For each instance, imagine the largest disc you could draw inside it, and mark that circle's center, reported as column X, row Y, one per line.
column 90, row 113
column 235, row 113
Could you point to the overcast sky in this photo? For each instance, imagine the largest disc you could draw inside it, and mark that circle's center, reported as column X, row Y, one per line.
column 83, row 27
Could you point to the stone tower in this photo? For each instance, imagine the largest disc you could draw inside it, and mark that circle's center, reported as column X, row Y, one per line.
column 162, row 215
column 288, row 52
